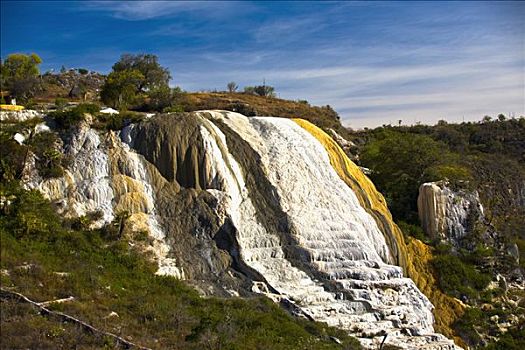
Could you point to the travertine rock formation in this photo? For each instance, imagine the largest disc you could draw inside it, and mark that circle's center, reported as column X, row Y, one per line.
column 447, row 214
column 237, row 205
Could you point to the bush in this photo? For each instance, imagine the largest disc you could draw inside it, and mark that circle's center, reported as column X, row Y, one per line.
column 173, row 109
column 117, row 121
column 458, row 278
column 412, row 230
column 73, row 117
column 465, row 326
column 44, row 146
column 60, row 103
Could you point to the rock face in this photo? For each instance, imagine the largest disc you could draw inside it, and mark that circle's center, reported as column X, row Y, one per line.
column 447, row 214
column 237, row 205
column 18, row 116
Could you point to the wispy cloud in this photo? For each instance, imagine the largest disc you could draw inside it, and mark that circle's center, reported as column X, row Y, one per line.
column 373, row 62
column 144, row 10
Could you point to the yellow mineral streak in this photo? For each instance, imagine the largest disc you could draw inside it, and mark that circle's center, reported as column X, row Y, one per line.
column 123, row 184
column 57, row 188
column 133, row 202
column 11, row 107
column 411, row 254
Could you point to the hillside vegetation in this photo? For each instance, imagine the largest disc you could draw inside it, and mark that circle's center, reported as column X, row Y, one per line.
column 488, row 156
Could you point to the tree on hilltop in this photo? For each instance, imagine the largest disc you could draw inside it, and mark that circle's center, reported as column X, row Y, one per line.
column 133, row 79
column 232, row 86
column 155, row 76
column 19, row 74
column 261, row 90
column 121, row 89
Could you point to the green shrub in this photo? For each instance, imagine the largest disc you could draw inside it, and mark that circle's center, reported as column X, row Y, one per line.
column 44, row 146
column 73, row 117
column 117, row 121
column 412, row 230
column 458, row 278
column 514, row 339
column 465, row 326
column 60, row 103
column 173, row 109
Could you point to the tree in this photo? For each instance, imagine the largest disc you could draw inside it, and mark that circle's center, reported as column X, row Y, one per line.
column 265, row 90
column 122, row 88
column 154, row 74
column 232, row 86
column 162, row 98
column 19, row 74
column 261, row 90
column 134, row 77
column 250, row 90
column 400, row 162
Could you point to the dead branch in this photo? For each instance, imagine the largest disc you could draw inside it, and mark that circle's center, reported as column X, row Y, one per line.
column 119, row 341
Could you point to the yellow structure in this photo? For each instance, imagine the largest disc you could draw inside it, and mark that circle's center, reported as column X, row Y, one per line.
column 11, row 107
column 411, row 254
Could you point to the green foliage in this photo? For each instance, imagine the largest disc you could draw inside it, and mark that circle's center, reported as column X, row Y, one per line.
column 122, row 89
column 400, row 163
column 475, row 321
column 232, row 87
column 19, row 73
column 412, row 230
column 154, row 75
column 83, row 71
column 465, row 326
column 117, row 121
column 44, row 145
column 19, row 66
column 164, row 98
column 60, row 103
column 13, row 156
column 514, row 339
column 457, row 277
column 72, row 117
column 250, row 90
column 106, row 274
column 138, row 80
column 261, row 90
column 173, row 109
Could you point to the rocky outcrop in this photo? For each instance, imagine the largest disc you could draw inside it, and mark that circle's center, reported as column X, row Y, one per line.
column 237, row 205
column 18, row 116
column 448, row 214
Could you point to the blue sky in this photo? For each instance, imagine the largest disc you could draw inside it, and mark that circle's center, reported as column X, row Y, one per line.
column 374, row 62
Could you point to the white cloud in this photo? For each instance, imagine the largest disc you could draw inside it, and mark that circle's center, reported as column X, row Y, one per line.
column 423, row 69
column 143, row 10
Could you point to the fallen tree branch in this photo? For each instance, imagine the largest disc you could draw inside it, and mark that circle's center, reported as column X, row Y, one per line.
column 57, row 301
column 119, row 341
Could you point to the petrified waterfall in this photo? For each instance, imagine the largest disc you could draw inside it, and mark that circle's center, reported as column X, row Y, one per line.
column 238, row 205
